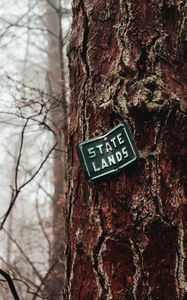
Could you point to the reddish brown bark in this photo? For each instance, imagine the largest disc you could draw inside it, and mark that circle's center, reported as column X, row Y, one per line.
column 127, row 233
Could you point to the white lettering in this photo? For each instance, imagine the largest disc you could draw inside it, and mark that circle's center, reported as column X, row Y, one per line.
column 95, row 168
column 113, row 141
column 100, row 148
column 111, row 160
column 120, row 140
column 108, row 147
column 125, row 152
column 103, row 164
column 91, row 152
column 119, row 156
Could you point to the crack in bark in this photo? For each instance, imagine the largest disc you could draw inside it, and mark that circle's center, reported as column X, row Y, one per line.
column 181, row 285
column 182, row 26
column 71, row 197
column 147, row 57
column 69, row 265
column 156, row 182
column 137, row 262
column 123, row 40
column 71, row 275
column 85, row 65
column 97, row 264
column 84, row 48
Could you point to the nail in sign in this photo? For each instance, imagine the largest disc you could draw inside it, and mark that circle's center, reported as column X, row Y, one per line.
column 107, row 154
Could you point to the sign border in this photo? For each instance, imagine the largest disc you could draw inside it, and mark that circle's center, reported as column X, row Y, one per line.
column 131, row 142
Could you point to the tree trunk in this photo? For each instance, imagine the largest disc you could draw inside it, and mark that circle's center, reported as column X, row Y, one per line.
column 127, row 233
column 58, row 110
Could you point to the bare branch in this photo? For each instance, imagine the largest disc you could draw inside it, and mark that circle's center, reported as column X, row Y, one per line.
column 24, row 255
column 17, row 22
column 42, row 225
column 19, row 155
column 18, row 189
column 38, row 170
column 45, row 277
column 10, row 283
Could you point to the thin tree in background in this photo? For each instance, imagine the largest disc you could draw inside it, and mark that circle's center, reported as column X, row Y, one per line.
column 57, row 90
column 38, row 27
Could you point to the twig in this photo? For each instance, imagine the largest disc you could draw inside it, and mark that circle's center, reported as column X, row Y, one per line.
column 10, row 283
column 18, row 189
column 24, row 255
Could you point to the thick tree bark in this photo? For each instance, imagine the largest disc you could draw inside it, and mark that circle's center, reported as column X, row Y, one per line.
column 127, row 233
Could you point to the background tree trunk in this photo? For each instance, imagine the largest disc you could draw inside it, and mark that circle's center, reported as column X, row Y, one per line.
column 127, row 233
column 56, row 83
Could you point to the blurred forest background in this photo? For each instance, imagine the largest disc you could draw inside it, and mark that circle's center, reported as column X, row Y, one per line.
column 33, row 119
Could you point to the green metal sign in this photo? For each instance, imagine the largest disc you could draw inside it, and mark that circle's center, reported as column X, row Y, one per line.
column 107, row 154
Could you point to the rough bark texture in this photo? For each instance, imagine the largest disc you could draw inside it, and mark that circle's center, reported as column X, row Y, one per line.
column 127, row 234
